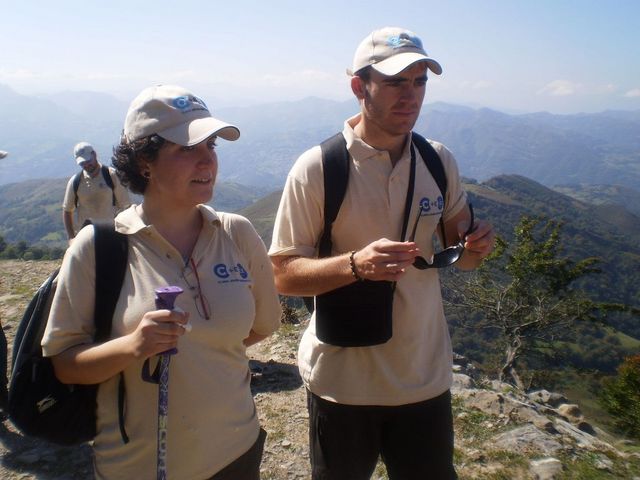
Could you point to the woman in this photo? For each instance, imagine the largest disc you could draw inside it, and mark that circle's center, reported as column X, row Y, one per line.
column 167, row 154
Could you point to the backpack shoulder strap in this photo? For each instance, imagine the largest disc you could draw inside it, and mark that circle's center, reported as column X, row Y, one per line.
column 335, row 167
column 434, row 165
column 111, row 250
column 76, row 184
column 106, row 174
column 432, row 161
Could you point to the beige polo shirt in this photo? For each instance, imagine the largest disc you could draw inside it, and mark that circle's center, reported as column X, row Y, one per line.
column 94, row 198
column 212, row 416
column 415, row 364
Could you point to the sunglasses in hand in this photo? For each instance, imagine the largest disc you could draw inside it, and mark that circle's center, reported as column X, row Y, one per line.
column 446, row 257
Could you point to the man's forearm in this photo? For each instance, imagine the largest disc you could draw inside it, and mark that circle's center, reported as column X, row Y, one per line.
column 301, row 276
column 67, row 220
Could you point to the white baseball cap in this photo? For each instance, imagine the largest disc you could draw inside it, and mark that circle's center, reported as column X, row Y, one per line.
column 176, row 115
column 390, row 50
column 83, row 152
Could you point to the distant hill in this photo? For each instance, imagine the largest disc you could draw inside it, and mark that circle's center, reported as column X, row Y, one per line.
column 550, row 149
column 32, row 210
column 262, row 214
column 604, row 195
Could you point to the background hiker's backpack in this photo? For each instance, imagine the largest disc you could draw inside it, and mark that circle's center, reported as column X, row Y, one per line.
column 39, row 405
column 335, row 167
column 107, row 179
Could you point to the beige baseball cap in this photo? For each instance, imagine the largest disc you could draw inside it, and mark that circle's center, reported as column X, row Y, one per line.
column 83, row 152
column 175, row 114
column 390, row 50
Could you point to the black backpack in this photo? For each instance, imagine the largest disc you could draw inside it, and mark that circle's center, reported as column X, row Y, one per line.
column 107, row 179
column 39, row 405
column 335, row 167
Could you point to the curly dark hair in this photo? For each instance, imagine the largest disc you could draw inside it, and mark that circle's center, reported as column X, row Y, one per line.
column 128, row 157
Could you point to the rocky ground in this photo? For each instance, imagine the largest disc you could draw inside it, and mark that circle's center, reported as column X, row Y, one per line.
column 500, row 433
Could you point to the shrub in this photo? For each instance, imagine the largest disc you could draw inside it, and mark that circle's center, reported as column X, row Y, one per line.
column 621, row 397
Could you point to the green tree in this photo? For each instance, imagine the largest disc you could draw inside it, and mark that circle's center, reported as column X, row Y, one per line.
column 621, row 397
column 524, row 295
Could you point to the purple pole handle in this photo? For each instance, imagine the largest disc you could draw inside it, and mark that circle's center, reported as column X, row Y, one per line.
column 165, row 299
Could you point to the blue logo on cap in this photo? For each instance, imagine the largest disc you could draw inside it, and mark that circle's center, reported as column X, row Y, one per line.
column 189, row 102
column 404, row 40
column 181, row 103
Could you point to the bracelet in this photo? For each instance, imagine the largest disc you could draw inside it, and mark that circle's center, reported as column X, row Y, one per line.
column 352, row 264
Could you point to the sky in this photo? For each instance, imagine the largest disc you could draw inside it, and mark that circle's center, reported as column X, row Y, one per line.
column 560, row 56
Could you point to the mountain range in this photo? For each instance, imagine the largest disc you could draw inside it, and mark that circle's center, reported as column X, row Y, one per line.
column 604, row 148
column 32, row 210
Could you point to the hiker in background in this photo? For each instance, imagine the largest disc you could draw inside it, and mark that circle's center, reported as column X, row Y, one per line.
column 388, row 397
column 93, row 193
column 168, row 155
column 4, row 393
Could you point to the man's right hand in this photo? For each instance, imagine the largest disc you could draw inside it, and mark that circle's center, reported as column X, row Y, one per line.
column 385, row 259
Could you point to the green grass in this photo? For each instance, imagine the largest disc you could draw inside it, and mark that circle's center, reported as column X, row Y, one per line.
column 576, row 387
column 590, row 466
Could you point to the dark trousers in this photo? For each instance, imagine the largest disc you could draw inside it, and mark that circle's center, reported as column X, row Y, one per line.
column 247, row 466
column 3, row 373
column 415, row 441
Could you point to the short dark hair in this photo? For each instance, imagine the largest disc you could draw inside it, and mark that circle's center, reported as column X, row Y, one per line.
column 364, row 74
column 128, row 157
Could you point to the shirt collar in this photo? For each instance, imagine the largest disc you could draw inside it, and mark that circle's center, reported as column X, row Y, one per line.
column 358, row 148
column 130, row 222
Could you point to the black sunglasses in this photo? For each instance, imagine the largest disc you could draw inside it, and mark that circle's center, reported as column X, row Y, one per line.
column 446, row 257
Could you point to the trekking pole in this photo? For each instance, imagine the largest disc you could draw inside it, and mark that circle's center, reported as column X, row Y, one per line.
column 165, row 298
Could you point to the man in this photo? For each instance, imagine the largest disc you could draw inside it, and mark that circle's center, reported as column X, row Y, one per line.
column 389, row 399
column 93, row 193
column 4, row 393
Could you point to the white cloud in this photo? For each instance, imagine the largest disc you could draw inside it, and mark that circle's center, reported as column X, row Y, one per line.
column 293, row 78
column 560, row 88
column 20, row 74
column 565, row 88
column 633, row 93
column 475, row 84
column 100, row 76
column 609, row 88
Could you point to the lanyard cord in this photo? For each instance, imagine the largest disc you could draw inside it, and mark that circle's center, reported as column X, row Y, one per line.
column 203, row 302
column 409, row 199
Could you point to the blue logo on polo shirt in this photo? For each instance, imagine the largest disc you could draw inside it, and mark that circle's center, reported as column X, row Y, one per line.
column 425, row 205
column 432, row 207
column 231, row 273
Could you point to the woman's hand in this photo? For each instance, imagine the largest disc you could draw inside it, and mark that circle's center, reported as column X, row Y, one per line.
column 157, row 332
